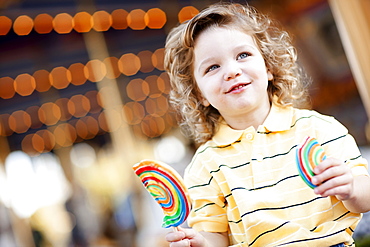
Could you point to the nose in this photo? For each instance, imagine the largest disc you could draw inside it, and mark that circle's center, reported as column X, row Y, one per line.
column 232, row 71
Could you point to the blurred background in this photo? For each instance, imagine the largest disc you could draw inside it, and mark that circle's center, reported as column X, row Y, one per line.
column 84, row 96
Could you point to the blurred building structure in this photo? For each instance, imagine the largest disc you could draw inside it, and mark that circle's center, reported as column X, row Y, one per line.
column 83, row 88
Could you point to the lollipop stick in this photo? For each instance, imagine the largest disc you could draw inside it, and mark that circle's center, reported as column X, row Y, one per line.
column 175, row 229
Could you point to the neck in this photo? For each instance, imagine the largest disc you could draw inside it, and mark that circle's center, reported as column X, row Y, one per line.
column 254, row 118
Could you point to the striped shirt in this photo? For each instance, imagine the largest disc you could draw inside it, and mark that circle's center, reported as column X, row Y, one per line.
column 246, row 182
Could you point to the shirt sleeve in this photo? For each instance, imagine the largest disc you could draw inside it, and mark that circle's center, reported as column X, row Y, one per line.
column 338, row 143
column 208, row 203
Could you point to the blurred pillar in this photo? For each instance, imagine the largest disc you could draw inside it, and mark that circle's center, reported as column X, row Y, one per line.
column 353, row 22
column 4, row 149
column 122, row 137
column 22, row 230
column 123, row 143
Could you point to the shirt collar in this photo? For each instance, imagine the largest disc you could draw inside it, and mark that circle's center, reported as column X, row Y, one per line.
column 278, row 119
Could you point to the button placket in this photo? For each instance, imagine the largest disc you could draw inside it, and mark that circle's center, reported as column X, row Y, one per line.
column 249, row 136
column 261, row 173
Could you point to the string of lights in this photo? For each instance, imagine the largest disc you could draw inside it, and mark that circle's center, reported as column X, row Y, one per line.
column 65, row 121
column 82, row 22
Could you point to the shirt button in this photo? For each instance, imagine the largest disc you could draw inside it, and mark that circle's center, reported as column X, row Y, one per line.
column 249, row 136
column 259, row 158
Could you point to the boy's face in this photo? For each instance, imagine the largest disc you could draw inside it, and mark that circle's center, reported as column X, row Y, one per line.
column 231, row 73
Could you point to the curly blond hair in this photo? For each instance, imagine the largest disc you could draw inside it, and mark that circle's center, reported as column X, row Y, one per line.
column 287, row 87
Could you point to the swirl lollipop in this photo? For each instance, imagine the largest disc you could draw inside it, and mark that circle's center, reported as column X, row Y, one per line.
column 309, row 154
column 166, row 186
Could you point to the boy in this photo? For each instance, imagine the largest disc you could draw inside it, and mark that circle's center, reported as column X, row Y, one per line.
column 235, row 81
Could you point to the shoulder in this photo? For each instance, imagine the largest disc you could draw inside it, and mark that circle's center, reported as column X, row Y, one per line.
column 204, row 153
column 319, row 121
column 311, row 115
column 326, row 129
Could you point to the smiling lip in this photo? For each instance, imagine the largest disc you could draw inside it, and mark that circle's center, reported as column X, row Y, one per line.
column 237, row 88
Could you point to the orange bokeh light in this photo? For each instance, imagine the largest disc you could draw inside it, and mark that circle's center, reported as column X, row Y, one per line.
column 24, row 84
column 19, row 121
column 65, row 135
column 111, row 63
column 5, row 25
column 4, row 125
column 48, row 141
column 63, row 23
column 157, row 106
column 135, row 19
column 6, row 87
column 60, row 77
column 81, row 129
column 134, row 112
column 95, row 70
column 49, row 113
column 78, row 105
column 119, row 19
column 38, row 143
column 129, row 64
column 153, row 126
column 62, row 103
column 27, row 146
column 154, row 91
column 42, row 80
column 102, row 21
column 83, row 22
column 43, row 23
column 164, row 83
column 103, row 122
column 155, row 18
column 87, row 127
column 92, row 126
column 23, row 25
column 145, row 61
column 158, row 59
column 186, row 13
column 137, row 89
column 77, row 74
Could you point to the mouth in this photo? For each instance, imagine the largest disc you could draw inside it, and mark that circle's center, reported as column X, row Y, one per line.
column 237, row 88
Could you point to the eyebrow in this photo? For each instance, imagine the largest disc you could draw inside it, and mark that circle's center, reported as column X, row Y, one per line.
column 204, row 62
column 238, row 47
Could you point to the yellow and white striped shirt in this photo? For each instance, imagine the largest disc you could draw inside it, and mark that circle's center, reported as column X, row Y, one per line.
column 246, row 182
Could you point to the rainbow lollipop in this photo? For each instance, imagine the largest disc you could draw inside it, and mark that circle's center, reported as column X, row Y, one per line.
column 167, row 188
column 309, row 154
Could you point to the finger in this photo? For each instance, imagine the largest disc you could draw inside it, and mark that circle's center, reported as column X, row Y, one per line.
column 341, row 192
column 181, row 243
column 326, row 175
column 340, row 186
column 175, row 236
column 189, row 232
column 331, row 172
column 326, row 164
column 333, row 182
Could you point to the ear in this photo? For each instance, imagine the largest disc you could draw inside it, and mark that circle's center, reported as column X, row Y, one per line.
column 205, row 102
column 270, row 77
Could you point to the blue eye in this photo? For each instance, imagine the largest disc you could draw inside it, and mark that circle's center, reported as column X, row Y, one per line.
column 212, row 67
column 243, row 55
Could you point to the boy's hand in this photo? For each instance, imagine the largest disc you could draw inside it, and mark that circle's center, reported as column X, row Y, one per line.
column 191, row 238
column 333, row 178
column 185, row 238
